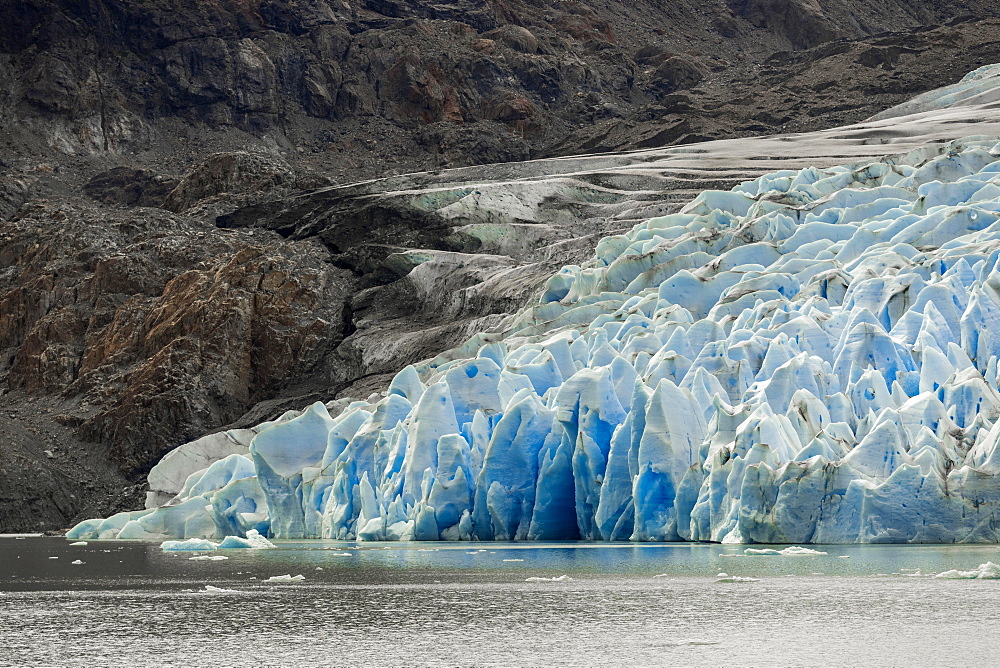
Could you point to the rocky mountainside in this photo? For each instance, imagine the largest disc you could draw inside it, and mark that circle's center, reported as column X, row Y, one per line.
column 175, row 256
column 361, row 89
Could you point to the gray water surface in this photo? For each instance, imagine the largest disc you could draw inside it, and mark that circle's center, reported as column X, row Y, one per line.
column 469, row 604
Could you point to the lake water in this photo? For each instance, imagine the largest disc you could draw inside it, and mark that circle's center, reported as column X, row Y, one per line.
column 469, row 604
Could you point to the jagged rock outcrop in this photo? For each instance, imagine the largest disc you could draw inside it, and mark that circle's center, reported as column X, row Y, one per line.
column 158, row 328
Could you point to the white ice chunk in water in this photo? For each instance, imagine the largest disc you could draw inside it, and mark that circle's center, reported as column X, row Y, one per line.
column 987, row 571
column 791, row 551
column 189, row 545
column 210, row 589
column 253, row 541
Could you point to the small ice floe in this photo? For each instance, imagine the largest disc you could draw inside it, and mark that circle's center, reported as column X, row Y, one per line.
column 53, row 557
column 987, row 571
column 791, row 551
column 513, row 559
column 79, row 542
column 76, row 563
column 560, row 578
column 319, row 568
column 208, row 557
column 844, row 556
column 253, row 541
column 189, row 545
column 341, row 554
column 209, row 589
column 286, row 578
column 726, row 577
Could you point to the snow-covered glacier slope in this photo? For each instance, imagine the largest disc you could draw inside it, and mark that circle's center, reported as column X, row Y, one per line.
column 979, row 87
column 809, row 357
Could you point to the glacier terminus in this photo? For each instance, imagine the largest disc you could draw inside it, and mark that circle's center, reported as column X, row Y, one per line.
column 810, row 357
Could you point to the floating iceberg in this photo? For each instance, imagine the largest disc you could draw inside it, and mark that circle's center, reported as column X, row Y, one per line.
column 811, row 357
column 209, row 589
column 189, row 545
column 987, row 571
column 285, row 578
column 253, row 541
column 726, row 578
column 791, row 551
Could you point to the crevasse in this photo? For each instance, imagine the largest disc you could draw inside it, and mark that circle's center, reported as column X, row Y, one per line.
column 811, row 357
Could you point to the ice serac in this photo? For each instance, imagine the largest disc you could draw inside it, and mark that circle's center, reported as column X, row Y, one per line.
column 811, row 357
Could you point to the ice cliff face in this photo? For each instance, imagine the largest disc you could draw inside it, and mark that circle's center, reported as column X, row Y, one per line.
column 810, row 357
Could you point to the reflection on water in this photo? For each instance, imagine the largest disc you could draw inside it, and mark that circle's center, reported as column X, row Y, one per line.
column 429, row 604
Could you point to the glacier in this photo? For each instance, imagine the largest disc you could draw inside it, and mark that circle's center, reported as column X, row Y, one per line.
column 810, row 357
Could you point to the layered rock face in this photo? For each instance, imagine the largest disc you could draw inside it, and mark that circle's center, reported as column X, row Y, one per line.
column 175, row 258
column 810, row 356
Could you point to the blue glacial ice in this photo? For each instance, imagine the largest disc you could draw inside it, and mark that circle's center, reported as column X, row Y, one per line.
column 811, row 357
